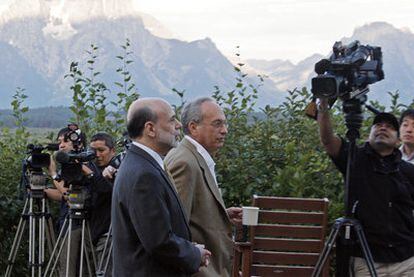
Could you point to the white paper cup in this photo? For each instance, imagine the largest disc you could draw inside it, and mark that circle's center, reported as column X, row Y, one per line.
column 250, row 216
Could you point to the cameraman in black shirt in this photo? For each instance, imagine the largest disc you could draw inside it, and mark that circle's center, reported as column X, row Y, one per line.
column 101, row 191
column 59, row 193
column 382, row 185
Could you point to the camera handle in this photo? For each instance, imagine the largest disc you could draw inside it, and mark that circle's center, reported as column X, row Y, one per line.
column 353, row 109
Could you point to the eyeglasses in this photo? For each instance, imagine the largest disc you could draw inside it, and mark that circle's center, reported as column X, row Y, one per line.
column 219, row 124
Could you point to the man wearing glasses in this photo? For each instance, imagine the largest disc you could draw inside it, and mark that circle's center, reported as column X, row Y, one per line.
column 191, row 165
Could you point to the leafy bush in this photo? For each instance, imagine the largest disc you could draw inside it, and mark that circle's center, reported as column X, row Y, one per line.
column 273, row 150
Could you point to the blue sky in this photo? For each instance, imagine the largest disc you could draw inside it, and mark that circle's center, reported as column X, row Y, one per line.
column 270, row 29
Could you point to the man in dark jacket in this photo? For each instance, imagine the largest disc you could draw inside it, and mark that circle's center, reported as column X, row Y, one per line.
column 150, row 231
column 381, row 190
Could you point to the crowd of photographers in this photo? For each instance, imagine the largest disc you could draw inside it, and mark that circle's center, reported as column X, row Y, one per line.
column 84, row 182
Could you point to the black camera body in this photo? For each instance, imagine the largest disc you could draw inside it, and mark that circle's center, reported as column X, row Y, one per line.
column 74, row 179
column 71, row 165
column 36, row 159
column 348, row 71
column 34, row 178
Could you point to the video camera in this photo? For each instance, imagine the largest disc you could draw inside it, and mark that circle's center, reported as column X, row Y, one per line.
column 125, row 142
column 71, row 165
column 36, row 159
column 348, row 71
column 33, row 176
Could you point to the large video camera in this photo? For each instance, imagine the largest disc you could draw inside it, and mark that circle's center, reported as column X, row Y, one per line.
column 348, row 71
column 71, row 174
column 71, row 165
column 36, row 159
column 34, row 177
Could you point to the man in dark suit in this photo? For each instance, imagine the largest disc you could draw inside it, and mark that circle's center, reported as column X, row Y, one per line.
column 150, row 231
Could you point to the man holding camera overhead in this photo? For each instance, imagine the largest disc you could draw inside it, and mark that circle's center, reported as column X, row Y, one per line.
column 381, row 190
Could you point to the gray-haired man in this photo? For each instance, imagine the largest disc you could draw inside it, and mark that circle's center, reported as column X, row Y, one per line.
column 192, row 167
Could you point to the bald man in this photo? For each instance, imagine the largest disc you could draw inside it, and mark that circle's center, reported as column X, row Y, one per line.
column 150, row 231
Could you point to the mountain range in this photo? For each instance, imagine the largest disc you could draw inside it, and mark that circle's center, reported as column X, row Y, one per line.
column 40, row 38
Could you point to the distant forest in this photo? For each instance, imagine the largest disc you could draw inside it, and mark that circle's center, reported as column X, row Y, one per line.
column 49, row 117
column 56, row 117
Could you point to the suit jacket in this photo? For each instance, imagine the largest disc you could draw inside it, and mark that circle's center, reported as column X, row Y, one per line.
column 151, row 236
column 209, row 222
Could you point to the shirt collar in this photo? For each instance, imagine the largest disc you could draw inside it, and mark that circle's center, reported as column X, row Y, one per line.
column 406, row 157
column 152, row 153
column 203, row 152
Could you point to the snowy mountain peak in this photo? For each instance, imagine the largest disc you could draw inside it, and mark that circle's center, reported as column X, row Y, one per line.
column 61, row 15
column 73, row 10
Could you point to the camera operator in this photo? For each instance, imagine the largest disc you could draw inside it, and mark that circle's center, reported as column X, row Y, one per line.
column 59, row 194
column 101, row 190
column 381, row 190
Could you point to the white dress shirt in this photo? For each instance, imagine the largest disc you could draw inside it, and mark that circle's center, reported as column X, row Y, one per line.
column 405, row 157
column 151, row 152
column 206, row 156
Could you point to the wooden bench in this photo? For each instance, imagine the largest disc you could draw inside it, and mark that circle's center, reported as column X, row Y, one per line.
column 287, row 240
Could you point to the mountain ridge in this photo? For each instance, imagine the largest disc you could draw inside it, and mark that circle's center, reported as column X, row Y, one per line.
column 38, row 48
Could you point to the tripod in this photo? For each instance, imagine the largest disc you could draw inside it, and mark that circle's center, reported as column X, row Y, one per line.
column 106, row 255
column 40, row 226
column 353, row 118
column 76, row 213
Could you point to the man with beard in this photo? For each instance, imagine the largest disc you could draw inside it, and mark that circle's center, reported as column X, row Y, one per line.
column 150, row 231
column 381, row 191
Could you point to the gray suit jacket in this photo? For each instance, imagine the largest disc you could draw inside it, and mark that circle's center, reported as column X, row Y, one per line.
column 151, row 236
column 209, row 222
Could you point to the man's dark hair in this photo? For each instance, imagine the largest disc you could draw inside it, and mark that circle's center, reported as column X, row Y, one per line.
column 109, row 141
column 136, row 123
column 64, row 131
column 409, row 113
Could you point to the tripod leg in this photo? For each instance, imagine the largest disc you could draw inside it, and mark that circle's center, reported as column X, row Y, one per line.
column 88, row 229
column 59, row 245
column 82, row 247
column 32, row 235
column 42, row 221
column 68, row 245
column 17, row 240
column 365, row 249
column 103, row 254
column 84, row 251
column 327, row 248
column 108, row 259
column 87, row 248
